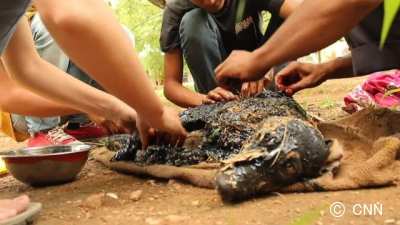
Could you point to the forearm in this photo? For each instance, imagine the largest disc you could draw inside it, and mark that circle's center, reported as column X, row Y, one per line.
column 26, row 67
column 68, row 91
column 313, row 26
column 173, row 85
column 181, row 96
column 340, row 67
column 103, row 50
column 21, row 101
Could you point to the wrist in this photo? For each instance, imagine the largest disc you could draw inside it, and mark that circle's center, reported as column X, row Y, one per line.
column 155, row 118
column 260, row 63
column 108, row 108
column 329, row 69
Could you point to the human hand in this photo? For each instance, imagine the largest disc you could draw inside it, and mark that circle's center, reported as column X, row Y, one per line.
column 218, row 95
column 240, row 65
column 108, row 125
column 298, row 76
column 121, row 118
column 254, row 88
column 146, row 133
column 169, row 129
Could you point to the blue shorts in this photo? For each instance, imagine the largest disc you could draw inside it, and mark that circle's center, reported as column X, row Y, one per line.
column 10, row 13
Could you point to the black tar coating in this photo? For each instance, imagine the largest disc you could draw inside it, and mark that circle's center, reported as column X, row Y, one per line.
column 224, row 126
column 292, row 151
column 264, row 142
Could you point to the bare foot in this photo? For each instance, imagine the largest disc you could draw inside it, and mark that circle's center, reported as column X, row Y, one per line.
column 12, row 207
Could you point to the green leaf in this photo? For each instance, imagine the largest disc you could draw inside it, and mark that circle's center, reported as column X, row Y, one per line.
column 391, row 8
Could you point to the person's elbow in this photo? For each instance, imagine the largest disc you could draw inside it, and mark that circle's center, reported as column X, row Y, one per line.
column 8, row 99
column 24, row 72
column 64, row 22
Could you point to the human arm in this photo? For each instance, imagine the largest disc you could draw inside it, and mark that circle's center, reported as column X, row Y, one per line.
column 23, row 65
column 104, row 51
column 180, row 95
column 313, row 26
column 17, row 99
column 297, row 76
column 90, row 35
column 173, row 87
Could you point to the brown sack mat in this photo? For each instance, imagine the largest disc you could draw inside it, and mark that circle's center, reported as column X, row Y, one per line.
column 365, row 143
column 198, row 177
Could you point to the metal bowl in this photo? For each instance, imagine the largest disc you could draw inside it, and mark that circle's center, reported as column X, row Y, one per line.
column 40, row 166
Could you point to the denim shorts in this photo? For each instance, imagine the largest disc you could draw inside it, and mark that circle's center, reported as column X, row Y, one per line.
column 10, row 13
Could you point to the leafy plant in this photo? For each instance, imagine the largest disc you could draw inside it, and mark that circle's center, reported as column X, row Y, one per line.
column 391, row 8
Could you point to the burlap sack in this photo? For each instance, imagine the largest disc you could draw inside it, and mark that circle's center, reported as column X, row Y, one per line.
column 363, row 155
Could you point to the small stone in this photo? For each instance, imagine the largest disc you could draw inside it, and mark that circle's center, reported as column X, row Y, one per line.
column 196, row 203
column 107, row 172
column 69, row 202
column 112, row 195
column 322, row 213
column 176, row 218
column 94, row 201
column 77, row 203
column 171, row 182
column 91, row 174
column 153, row 221
column 319, row 223
column 152, row 182
column 174, row 184
column 390, row 221
column 277, row 194
column 88, row 215
column 151, row 199
column 136, row 195
column 297, row 210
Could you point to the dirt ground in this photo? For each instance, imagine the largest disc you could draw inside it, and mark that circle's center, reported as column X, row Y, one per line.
column 171, row 202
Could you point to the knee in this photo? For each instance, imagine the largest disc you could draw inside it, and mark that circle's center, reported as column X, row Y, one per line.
column 193, row 23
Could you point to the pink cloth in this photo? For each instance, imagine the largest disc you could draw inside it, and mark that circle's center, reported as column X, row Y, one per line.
column 371, row 93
